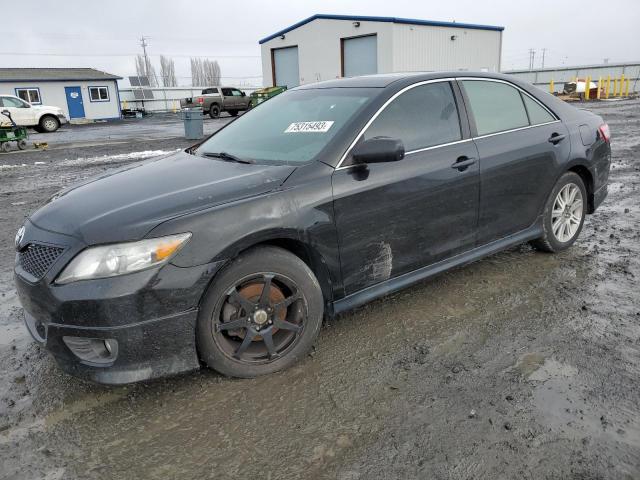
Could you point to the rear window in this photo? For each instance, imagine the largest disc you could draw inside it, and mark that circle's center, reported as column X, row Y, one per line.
column 496, row 106
column 537, row 114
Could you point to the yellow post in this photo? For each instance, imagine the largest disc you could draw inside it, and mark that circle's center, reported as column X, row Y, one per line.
column 626, row 90
column 587, row 89
column 608, row 89
column 599, row 88
column 615, row 87
column 124, row 104
column 551, row 90
column 621, row 84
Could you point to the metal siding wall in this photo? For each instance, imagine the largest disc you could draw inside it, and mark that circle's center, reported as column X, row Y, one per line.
column 420, row 47
column 542, row 78
column 319, row 48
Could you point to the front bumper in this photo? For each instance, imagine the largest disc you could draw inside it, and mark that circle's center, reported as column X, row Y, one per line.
column 151, row 315
column 62, row 119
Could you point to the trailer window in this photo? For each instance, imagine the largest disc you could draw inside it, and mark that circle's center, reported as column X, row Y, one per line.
column 98, row 94
column 31, row 95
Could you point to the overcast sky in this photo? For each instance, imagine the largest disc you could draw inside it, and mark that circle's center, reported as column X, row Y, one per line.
column 105, row 35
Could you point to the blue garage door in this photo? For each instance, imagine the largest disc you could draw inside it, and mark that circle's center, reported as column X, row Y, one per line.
column 74, row 102
column 360, row 55
column 285, row 67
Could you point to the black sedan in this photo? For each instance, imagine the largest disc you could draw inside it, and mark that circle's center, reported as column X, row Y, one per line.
column 315, row 202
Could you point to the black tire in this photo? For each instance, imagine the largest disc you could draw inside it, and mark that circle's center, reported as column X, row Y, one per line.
column 5, row 147
column 48, row 124
column 214, row 110
column 22, row 144
column 292, row 329
column 550, row 242
column 233, row 113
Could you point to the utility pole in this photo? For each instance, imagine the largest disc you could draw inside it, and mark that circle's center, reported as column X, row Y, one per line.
column 532, row 56
column 544, row 50
column 144, row 44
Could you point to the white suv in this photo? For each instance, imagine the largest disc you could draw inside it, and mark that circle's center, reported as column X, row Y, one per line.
column 42, row 118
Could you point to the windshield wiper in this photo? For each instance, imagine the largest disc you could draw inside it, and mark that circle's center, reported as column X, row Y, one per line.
column 227, row 157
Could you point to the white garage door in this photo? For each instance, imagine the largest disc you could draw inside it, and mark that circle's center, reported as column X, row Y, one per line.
column 286, row 71
column 360, row 55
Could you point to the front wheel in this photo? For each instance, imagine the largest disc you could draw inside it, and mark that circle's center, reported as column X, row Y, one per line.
column 22, row 144
column 262, row 314
column 564, row 214
column 49, row 124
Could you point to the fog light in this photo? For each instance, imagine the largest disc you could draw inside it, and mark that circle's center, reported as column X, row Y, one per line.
column 96, row 351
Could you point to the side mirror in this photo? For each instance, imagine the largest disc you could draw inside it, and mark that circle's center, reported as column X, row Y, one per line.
column 378, row 150
column 6, row 113
column 243, row 94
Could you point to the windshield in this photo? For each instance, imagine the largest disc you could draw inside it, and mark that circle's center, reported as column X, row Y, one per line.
column 291, row 128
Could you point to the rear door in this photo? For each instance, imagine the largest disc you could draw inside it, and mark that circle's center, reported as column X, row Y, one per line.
column 514, row 134
column 229, row 99
column 396, row 217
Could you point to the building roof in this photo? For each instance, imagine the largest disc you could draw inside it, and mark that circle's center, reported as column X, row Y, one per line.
column 53, row 74
column 360, row 18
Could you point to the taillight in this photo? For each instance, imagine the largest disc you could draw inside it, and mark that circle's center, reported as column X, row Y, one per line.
column 604, row 132
column 200, row 100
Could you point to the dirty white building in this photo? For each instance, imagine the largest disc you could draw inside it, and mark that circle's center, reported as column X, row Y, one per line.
column 81, row 93
column 324, row 47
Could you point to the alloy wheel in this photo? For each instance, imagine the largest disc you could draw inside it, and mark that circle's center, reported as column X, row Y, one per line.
column 260, row 318
column 566, row 215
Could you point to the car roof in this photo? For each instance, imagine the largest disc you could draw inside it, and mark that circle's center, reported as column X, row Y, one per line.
column 382, row 80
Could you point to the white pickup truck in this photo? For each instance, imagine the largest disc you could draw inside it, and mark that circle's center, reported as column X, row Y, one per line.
column 42, row 118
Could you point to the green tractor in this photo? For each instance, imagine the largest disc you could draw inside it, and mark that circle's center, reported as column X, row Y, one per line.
column 264, row 94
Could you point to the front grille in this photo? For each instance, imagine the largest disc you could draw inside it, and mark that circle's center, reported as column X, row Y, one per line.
column 36, row 259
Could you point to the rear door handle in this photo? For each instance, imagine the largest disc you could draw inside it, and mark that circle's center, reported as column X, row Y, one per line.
column 556, row 137
column 462, row 163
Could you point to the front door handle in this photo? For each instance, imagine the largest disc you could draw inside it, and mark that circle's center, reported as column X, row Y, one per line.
column 556, row 138
column 462, row 163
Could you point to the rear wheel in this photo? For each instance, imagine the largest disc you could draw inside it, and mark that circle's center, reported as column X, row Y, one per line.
column 262, row 314
column 49, row 124
column 5, row 147
column 214, row 111
column 564, row 214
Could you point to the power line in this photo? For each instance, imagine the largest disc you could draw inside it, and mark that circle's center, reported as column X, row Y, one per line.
column 35, row 54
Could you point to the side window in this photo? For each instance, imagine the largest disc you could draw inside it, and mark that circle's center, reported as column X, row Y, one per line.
column 537, row 114
column 227, row 92
column 496, row 106
column 421, row 117
column 236, row 93
column 98, row 94
column 13, row 102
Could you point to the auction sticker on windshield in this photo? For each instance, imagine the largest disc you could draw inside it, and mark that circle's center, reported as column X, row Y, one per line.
column 307, row 127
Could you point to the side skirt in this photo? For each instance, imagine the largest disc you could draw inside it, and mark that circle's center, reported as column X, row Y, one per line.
column 398, row 283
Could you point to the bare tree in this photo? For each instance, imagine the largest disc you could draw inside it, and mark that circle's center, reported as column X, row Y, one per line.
column 168, row 72
column 145, row 69
column 205, row 72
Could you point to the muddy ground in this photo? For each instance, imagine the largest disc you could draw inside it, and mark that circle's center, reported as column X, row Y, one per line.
column 523, row 365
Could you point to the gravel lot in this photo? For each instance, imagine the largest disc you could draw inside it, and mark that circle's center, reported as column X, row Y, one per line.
column 523, row 365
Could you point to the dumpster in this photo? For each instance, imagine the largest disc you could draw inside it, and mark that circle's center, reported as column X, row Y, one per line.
column 193, row 123
column 263, row 94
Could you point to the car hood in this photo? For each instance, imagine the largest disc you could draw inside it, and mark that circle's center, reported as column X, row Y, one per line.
column 126, row 204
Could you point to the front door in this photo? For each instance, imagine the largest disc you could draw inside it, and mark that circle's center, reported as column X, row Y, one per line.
column 74, row 102
column 21, row 112
column 396, row 217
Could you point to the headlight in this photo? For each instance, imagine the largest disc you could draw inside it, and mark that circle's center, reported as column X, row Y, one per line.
column 121, row 258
